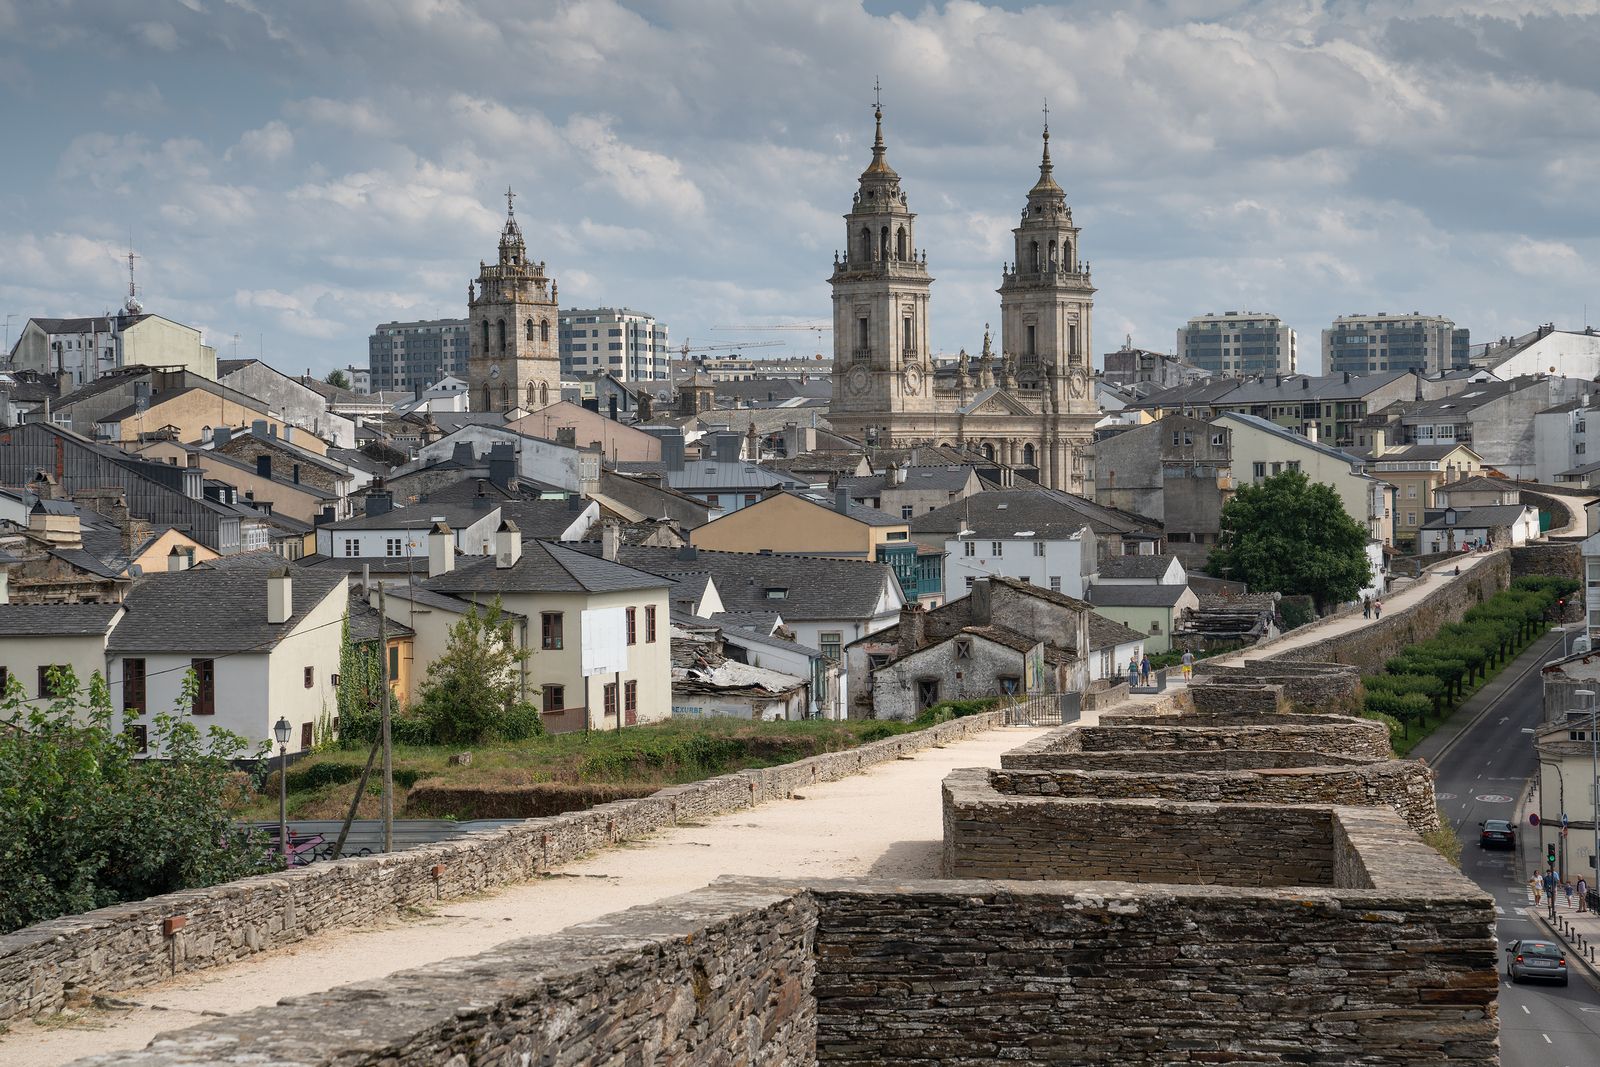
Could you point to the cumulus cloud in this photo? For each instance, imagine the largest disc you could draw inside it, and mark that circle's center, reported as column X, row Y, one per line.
column 268, row 144
column 1544, row 259
column 642, row 177
column 158, row 35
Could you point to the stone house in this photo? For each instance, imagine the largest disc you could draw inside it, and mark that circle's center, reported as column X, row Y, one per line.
column 1496, row 525
column 1029, row 516
column 580, row 426
column 1178, row 470
column 290, row 398
column 298, row 457
column 909, row 491
column 259, row 484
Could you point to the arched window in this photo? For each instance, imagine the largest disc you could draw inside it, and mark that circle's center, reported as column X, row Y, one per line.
column 485, row 351
column 502, row 334
column 486, row 405
column 900, row 243
column 505, row 396
column 988, row 452
column 1027, row 455
column 883, row 243
column 865, row 251
column 529, row 330
column 533, row 394
column 544, row 393
column 1035, row 248
column 544, row 329
column 1052, row 254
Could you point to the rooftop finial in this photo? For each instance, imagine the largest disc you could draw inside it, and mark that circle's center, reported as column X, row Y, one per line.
column 877, row 114
column 510, row 196
column 1045, row 163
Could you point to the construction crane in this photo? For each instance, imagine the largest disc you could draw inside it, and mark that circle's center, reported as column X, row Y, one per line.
column 686, row 348
column 818, row 328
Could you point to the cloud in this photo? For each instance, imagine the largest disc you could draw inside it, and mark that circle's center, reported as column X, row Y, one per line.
column 1544, row 259
column 643, row 178
column 138, row 102
column 354, row 116
column 158, row 35
column 268, row 144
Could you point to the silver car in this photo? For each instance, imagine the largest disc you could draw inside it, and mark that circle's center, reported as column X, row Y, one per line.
column 1536, row 959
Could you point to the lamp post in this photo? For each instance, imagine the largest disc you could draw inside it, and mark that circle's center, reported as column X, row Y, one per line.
column 281, row 730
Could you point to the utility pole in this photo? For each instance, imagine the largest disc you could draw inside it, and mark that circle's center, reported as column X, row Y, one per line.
column 383, row 730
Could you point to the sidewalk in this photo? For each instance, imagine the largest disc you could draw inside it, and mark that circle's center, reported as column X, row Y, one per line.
column 1578, row 931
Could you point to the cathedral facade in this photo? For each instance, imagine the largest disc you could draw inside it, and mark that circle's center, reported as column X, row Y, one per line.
column 512, row 310
column 1031, row 404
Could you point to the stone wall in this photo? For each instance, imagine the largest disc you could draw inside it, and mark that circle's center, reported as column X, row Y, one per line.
column 1310, row 687
column 1373, row 645
column 1406, row 786
column 1224, row 760
column 988, row 834
column 720, row 976
column 1356, row 738
column 137, row 944
column 1227, row 695
column 1562, row 559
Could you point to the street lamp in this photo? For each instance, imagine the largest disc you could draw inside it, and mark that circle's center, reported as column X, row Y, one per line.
column 281, row 730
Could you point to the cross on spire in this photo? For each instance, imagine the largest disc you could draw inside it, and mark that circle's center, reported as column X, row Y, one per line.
column 509, row 197
column 877, row 95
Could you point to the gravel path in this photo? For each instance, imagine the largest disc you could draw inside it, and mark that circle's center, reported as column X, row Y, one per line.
column 885, row 823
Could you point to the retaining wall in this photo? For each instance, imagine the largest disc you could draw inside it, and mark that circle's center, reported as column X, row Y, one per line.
column 1562, row 559
column 1311, row 688
column 1354, row 738
column 148, row 941
column 1227, row 695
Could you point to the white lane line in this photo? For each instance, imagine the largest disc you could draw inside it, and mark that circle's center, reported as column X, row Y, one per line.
column 1525, row 1010
column 1547, row 1039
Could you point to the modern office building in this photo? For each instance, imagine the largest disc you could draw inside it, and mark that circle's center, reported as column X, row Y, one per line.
column 1364, row 344
column 402, row 355
column 1238, row 343
column 630, row 345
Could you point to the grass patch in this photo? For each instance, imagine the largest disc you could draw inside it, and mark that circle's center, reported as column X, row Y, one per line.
column 668, row 753
column 1445, row 841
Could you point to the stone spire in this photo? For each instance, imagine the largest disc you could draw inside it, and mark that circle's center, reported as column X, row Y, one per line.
column 512, row 247
column 879, row 167
column 1046, row 188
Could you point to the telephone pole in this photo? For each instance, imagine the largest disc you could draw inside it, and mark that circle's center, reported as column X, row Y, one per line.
column 383, row 729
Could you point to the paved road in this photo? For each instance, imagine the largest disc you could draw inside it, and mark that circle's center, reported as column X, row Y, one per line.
column 1540, row 1025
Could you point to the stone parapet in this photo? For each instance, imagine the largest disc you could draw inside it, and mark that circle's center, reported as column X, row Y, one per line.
column 1309, row 688
column 1340, row 736
column 1220, row 696
column 127, row 945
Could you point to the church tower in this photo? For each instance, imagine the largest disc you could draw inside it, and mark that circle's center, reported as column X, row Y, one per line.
column 515, row 360
column 881, row 363
column 1046, row 304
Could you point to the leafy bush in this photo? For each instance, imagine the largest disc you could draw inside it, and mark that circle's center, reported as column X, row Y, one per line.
column 1296, row 611
column 86, row 823
column 1396, row 727
column 473, row 692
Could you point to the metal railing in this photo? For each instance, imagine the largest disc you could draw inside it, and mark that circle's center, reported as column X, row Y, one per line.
column 1042, row 709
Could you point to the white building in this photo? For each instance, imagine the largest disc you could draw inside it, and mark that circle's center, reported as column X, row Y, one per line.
column 35, row 639
column 1238, row 343
column 262, row 644
column 1062, row 564
column 1565, row 748
column 1493, row 524
column 1546, row 350
column 630, row 345
column 83, row 349
column 1368, row 344
column 402, row 533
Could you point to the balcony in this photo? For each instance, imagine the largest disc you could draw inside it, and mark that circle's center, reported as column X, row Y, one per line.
column 861, row 355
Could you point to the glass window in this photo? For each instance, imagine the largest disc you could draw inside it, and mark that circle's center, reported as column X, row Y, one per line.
column 133, row 688
column 997, row 548
column 633, row 625
column 555, row 698
column 649, row 624
column 969, row 548
column 831, row 643
column 550, row 630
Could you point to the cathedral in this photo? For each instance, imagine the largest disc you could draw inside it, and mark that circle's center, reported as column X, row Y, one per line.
column 515, row 360
column 1031, row 404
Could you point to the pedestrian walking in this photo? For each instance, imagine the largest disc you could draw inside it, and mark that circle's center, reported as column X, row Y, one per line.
column 1145, row 670
column 1583, row 894
column 1533, row 884
column 1133, row 672
column 1566, row 888
column 1188, row 665
column 1366, row 607
column 1377, row 609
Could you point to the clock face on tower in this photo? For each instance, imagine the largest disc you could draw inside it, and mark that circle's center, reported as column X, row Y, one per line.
column 494, row 371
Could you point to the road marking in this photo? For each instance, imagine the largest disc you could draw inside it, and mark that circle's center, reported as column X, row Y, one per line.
column 1494, row 798
column 1525, row 1010
column 1504, row 719
column 1547, row 1039
column 1498, row 910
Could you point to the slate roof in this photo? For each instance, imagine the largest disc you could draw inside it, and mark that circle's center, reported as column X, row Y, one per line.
column 711, row 474
column 1289, row 436
column 859, row 512
column 745, row 635
column 545, row 567
column 420, row 515
column 949, row 478
column 423, row 597
column 816, row 587
column 1419, row 453
column 364, row 622
column 56, row 620
column 214, row 610
column 1136, row 596
column 1136, row 566
column 1049, row 513
column 91, row 324
column 1487, row 517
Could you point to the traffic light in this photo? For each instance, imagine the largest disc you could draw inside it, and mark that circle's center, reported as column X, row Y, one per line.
column 1550, row 853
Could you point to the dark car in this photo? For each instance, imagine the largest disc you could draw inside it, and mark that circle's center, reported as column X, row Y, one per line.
column 1536, row 959
column 1497, row 833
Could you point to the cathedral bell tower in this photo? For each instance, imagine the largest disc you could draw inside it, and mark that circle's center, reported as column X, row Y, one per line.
column 1046, row 299
column 881, row 362
column 512, row 309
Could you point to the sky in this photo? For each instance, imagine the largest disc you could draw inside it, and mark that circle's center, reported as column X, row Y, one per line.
column 293, row 172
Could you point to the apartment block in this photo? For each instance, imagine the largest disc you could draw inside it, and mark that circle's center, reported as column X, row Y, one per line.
column 1239, row 343
column 401, row 355
column 1363, row 344
column 630, row 345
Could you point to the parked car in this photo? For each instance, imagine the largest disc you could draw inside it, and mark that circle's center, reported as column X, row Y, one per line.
column 1536, row 959
column 1497, row 833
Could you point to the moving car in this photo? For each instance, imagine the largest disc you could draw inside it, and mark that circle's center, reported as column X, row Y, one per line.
column 1536, row 959
column 1497, row 833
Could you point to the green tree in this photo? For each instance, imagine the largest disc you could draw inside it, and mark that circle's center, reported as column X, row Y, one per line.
column 360, row 676
column 85, row 822
column 338, row 379
column 473, row 692
column 1291, row 535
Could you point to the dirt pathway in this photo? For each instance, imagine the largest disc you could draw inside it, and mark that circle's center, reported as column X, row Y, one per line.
column 885, row 823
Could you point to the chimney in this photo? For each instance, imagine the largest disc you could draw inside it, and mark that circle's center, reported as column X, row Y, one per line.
column 978, row 609
column 280, row 596
column 462, row 454
column 502, row 465
column 688, row 553
column 726, row 447
column 221, row 436
column 259, row 427
column 379, row 500
column 610, row 540
column 177, row 560
column 57, row 531
column 272, row 430
column 507, row 545
column 441, row 550
column 264, row 466
column 480, row 499
column 913, row 629
column 192, row 459
column 841, row 500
